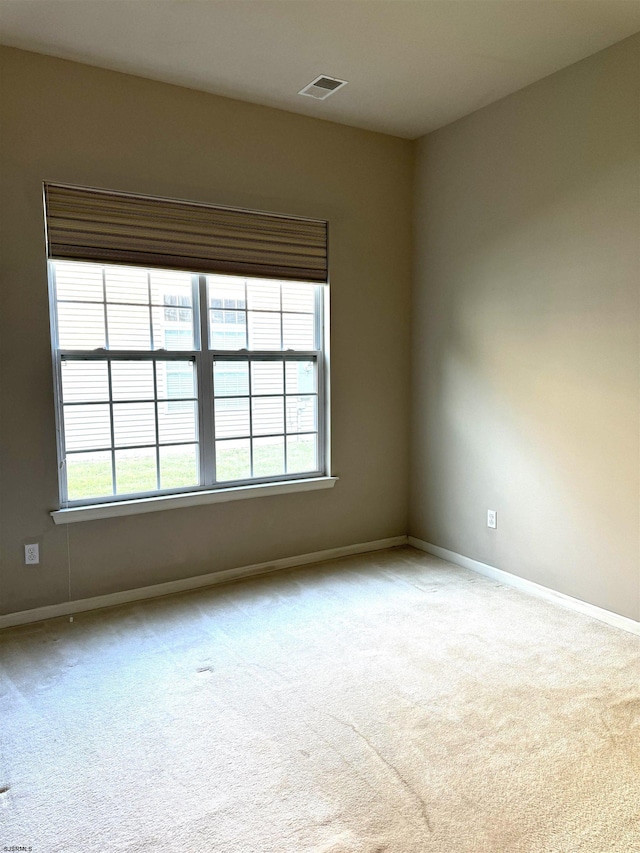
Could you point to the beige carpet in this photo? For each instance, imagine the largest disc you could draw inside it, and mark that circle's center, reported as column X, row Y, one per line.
column 389, row 703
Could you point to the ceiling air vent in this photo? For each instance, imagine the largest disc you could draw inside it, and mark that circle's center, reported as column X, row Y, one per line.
column 322, row 87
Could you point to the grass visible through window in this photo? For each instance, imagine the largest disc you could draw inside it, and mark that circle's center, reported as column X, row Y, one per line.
column 92, row 478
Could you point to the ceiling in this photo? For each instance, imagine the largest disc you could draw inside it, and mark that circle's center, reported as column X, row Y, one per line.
column 412, row 65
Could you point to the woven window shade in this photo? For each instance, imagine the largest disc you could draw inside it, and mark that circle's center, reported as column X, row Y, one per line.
column 97, row 225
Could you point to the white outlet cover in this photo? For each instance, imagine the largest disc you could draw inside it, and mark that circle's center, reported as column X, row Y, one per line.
column 31, row 554
column 492, row 518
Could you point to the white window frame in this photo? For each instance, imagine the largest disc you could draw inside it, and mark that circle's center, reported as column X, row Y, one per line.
column 208, row 490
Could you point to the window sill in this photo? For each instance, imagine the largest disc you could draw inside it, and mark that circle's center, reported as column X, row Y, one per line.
column 164, row 502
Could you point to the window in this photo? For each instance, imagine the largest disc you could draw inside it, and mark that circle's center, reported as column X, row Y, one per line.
column 171, row 381
column 188, row 347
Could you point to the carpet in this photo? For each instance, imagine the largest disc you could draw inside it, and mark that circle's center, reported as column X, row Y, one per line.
column 385, row 703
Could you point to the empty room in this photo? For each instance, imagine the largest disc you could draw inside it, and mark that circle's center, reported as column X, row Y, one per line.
column 320, row 426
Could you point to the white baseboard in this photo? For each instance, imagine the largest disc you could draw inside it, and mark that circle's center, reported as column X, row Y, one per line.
column 530, row 587
column 69, row 608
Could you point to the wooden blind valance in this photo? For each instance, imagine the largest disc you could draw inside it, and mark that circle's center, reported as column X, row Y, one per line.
column 98, row 225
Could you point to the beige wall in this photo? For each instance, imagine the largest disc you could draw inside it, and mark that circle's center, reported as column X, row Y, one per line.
column 68, row 122
column 525, row 333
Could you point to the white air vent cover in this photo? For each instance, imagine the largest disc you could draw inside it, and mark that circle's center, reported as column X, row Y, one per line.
column 322, row 87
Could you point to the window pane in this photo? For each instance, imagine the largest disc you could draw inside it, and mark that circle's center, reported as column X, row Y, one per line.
column 266, row 377
column 79, row 281
column 132, row 380
column 298, row 297
column 232, row 418
column 89, row 475
column 267, row 415
column 176, row 379
column 179, row 466
column 176, row 423
column 298, row 331
column 126, row 284
column 128, row 327
column 230, row 378
column 268, row 456
column 134, row 423
column 233, row 460
column 172, row 328
column 263, row 295
column 225, row 291
column 301, row 377
column 302, row 453
column 171, row 288
column 136, row 470
column 301, row 414
column 84, row 381
column 264, row 331
column 80, row 325
column 227, row 329
column 87, row 427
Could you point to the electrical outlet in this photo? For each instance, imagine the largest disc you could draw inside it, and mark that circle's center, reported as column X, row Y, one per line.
column 492, row 518
column 31, row 554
